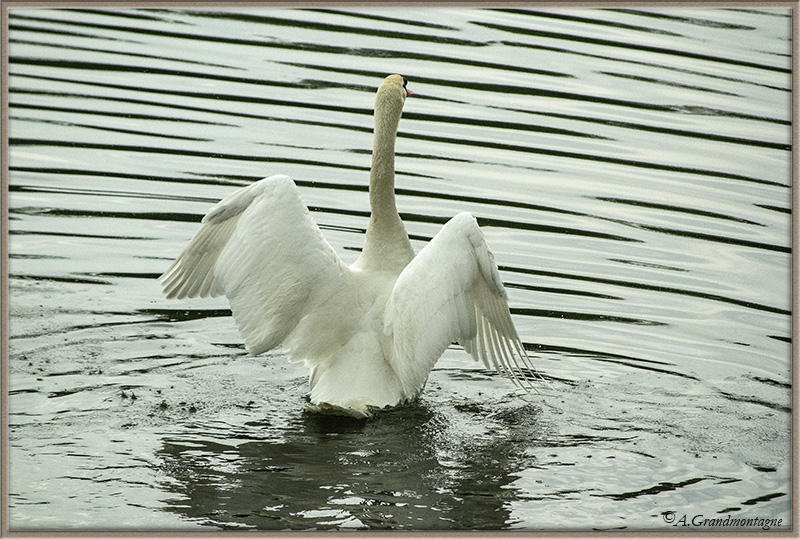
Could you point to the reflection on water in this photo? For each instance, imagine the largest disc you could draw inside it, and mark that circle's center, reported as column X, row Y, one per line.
column 630, row 169
column 401, row 472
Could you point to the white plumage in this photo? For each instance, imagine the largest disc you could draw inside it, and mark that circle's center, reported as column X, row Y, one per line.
column 370, row 332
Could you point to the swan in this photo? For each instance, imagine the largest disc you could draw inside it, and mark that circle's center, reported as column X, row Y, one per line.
column 370, row 332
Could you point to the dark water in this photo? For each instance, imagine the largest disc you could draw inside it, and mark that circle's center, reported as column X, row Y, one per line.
column 630, row 169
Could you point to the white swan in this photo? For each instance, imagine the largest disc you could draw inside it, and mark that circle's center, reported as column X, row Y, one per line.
column 370, row 332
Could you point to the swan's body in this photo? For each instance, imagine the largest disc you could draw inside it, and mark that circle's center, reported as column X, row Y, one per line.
column 370, row 332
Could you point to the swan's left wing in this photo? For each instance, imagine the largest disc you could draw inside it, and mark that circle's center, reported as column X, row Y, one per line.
column 450, row 292
column 259, row 247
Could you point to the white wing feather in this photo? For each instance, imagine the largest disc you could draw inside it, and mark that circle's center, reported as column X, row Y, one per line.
column 259, row 247
column 452, row 291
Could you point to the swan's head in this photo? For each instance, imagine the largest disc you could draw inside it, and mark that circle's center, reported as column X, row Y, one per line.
column 392, row 92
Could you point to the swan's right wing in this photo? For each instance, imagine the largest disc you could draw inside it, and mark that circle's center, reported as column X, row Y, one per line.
column 259, row 247
column 452, row 291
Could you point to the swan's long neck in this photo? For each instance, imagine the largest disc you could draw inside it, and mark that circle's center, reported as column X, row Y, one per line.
column 381, row 177
column 387, row 246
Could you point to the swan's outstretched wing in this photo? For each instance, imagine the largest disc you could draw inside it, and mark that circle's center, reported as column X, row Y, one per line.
column 259, row 247
column 452, row 292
